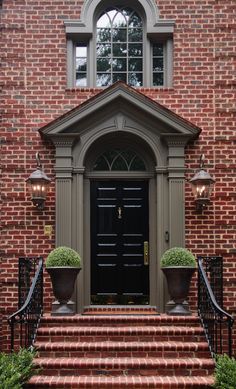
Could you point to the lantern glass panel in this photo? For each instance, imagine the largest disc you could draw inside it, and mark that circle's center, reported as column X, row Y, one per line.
column 39, row 190
column 202, row 189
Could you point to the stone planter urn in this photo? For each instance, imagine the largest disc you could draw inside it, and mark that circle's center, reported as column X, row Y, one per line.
column 63, row 266
column 178, row 282
column 178, row 266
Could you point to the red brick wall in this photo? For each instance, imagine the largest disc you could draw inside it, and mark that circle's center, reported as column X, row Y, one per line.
column 33, row 87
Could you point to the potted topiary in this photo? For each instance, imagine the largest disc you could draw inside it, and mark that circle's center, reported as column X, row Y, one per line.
column 63, row 265
column 178, row 264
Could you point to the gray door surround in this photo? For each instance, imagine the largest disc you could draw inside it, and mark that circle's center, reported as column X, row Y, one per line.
column 119, row 115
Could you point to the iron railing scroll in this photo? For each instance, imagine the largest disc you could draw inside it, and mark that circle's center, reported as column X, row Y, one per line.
column 216, row 322
column 25, row 321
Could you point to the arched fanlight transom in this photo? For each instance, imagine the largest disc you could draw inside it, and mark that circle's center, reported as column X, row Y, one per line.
column 119, row 160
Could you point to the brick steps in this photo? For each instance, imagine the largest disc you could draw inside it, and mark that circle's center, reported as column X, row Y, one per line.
column 134, row 333
column 124, row 366
column 122, row 351
column 157, row 382
column 119, row 320
column 128, row 349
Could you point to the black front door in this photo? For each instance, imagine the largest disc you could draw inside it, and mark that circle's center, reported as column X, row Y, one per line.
column 119, row 242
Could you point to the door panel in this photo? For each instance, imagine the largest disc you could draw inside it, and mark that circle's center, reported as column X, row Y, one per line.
column 119, row 227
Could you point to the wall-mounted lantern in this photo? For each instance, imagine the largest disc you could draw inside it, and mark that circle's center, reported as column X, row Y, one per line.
column 39, row 185
column 202, row 184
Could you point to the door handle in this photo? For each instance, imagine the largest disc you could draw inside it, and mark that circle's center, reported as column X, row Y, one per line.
column 146, row 253
column 119, row 213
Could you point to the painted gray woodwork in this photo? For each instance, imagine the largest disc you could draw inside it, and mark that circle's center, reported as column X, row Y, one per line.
column 176, row 212
column 119, row 116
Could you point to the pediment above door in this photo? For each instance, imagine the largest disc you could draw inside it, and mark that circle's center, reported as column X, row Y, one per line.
column 118, row 106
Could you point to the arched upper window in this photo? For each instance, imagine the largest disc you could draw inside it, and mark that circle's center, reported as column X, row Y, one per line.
column 122, row 44
column 119, row 49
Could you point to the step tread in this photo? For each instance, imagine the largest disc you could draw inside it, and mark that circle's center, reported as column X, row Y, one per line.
column 122, row 381
column 124, row 362
column 119, row 319
column 137, row 345
column 181, row 330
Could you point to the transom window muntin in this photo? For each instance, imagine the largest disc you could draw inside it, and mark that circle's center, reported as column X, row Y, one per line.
column 119, row 47
column 119, row 160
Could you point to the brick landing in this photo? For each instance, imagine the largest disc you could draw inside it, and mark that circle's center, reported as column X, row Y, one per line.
column 122, row 351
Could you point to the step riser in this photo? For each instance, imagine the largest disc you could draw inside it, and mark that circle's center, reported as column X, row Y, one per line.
column 118, row 322
column 126, row 372
column 126, row 338
column 127, row 354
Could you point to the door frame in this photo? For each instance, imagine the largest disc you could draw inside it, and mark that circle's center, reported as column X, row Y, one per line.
column 122, row 176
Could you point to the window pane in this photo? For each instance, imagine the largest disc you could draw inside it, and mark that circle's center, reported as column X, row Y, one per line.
column 119, row 35
column 104, row 21
column 119, row 64
column 119, row 77
column 158, row 79
column 127, row 12
column 103, row 65
column 101, row 164
column 81, row 79
column 81, row 64
column 135, row 21
column 103, row 35
column 103, row 50
column 158, row 50
column 135, row 64
column 81, row 51
column 135, row 50
column 157, row 64
column 109, row 156
column 135, row 79
column 135, row 35
column 103, row 79
column 137, row 164
column 119, row 21
column 119, row 164
column 120, row 49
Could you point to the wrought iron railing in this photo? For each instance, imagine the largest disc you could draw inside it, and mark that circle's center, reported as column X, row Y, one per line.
column 24, row 323
column 216, row 322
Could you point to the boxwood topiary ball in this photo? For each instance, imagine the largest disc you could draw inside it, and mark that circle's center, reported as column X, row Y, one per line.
column 178, row 256
column 63, row 256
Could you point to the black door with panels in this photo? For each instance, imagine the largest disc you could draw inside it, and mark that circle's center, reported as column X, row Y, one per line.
column 119, row 242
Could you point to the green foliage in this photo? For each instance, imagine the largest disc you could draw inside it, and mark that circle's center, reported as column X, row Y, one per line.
column 225, row 372
column 16, row 369
column 178, row 256
column 63, row 256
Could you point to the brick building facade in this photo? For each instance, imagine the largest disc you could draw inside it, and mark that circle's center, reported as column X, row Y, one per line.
column 35, row 91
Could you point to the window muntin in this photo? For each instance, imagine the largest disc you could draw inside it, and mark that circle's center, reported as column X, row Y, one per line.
column 119, row 47
column 119, row 160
